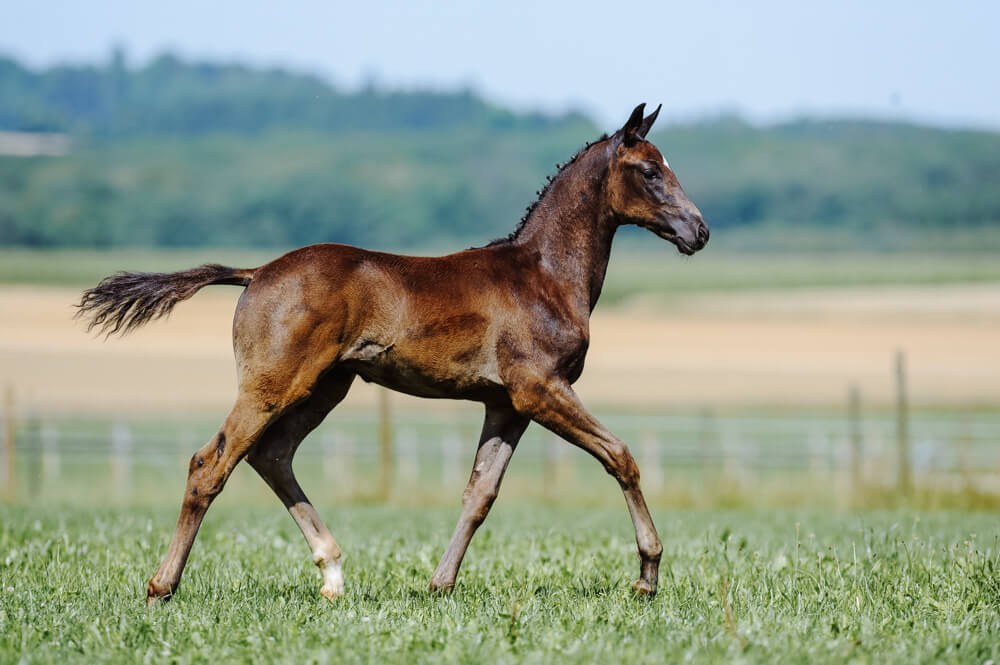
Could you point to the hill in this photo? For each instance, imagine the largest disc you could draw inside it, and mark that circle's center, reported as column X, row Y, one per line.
column 190, row 154
column 171, row 97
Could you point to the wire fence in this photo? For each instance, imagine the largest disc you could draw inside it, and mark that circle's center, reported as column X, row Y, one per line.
column 687, row 459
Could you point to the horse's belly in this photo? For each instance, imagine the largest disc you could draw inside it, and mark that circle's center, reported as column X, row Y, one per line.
column 429, row 377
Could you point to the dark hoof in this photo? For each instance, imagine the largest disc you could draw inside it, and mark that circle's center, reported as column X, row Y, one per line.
column 644, row 588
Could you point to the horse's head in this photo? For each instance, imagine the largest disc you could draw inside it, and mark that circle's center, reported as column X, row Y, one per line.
column 643, row 190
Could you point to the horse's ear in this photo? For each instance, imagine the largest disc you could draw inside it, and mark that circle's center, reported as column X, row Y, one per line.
column 631, row 128
column 648, row 121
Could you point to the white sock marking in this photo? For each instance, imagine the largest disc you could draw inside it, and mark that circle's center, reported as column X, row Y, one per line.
column 333, row 579
column 333, row 574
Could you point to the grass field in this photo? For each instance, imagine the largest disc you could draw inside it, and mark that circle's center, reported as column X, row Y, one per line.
column 538, row 585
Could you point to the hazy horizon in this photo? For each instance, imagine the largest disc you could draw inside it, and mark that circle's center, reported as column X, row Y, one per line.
column 766, row 62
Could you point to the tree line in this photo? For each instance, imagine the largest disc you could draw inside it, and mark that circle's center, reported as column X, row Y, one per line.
column 179, row 153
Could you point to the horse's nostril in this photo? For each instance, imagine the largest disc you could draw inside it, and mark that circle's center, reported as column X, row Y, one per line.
column 703, row 232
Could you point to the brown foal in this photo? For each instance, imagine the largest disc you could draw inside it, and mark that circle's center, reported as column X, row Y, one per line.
column 506, row 325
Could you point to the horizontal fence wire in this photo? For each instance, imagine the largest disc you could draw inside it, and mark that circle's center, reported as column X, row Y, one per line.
column 431, row 454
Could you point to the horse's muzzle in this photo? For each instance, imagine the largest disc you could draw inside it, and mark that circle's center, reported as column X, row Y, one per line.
column 689, row 234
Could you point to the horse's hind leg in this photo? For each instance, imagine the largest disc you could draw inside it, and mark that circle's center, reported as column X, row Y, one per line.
column 272, row 457
column 210, row 467
column 502, row 430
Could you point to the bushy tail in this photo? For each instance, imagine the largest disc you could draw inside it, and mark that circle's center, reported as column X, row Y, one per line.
column 126, row 300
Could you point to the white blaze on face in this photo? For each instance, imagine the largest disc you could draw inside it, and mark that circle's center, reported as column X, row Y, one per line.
column 666, row 164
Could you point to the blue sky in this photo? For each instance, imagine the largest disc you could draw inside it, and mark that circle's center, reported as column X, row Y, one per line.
column 929, row 62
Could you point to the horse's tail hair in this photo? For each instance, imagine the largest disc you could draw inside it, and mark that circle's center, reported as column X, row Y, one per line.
column 124, row 301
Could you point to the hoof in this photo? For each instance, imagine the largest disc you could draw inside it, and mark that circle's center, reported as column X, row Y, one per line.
column 441, row 588
column 333, row 578
column 153, row 601
column 155, row 595
column 331, row 592
column 644, row 588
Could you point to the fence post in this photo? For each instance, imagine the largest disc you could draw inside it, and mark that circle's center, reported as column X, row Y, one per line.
column 854, row 437
column 905, row 473
column 10, row 444
column 385, row 445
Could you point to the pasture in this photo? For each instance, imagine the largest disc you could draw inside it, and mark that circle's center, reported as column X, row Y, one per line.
column 539, row 585
column 727, row 375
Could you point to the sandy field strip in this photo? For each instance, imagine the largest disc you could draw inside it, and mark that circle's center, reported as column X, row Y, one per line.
column 791, row 347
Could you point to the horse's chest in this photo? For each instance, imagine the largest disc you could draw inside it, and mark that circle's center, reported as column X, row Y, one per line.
column 558, row 348
column 572, row 359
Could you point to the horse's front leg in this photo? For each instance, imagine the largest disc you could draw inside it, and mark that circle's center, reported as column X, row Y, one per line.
column 502, row 430
column 552, row 403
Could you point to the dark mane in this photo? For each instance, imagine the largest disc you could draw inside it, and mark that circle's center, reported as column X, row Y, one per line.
column 543, row 191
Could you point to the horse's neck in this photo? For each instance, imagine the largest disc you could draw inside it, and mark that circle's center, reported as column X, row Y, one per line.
column 571, row 232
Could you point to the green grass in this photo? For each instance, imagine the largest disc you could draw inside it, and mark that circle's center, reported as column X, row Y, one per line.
column 538, row 585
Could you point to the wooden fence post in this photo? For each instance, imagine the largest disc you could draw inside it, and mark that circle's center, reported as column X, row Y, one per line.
column 385, row 445
column 905, row 473
column 10, row 444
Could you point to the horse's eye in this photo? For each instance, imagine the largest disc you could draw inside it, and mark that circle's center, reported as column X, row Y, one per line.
column 651, row 174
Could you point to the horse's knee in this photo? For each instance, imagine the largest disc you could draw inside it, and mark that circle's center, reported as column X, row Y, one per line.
column 206, row 478
column 622, row 465
column 197, row 462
